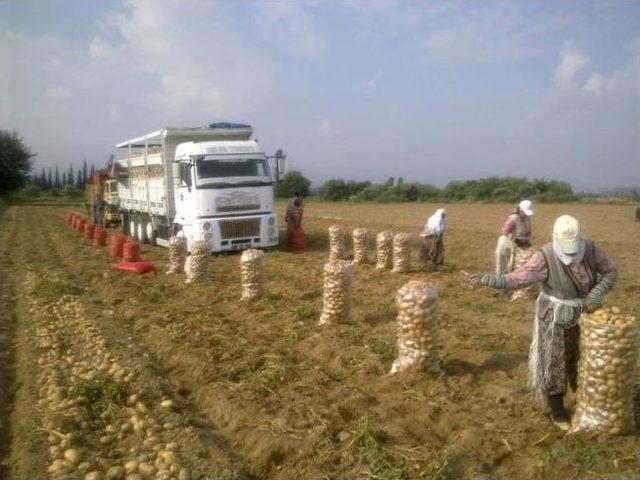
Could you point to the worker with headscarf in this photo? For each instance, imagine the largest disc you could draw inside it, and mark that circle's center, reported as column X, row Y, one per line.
column 575, row 274
column 515, row 233
column 432, row 244
column 293, row 215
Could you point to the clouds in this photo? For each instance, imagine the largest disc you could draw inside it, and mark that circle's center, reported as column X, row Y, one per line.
column 427, row 90
column 572, row 63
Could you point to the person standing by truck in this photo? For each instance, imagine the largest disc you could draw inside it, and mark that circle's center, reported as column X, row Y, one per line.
column 515, row 233
column 293, row 217
column 98, row 210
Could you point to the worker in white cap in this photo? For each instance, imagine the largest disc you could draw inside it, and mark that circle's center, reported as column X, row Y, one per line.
column 433, row 238
column 575, row 274
column 515, row 233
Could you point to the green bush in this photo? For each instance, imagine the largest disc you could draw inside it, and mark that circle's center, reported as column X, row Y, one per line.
column 491, row 189
column 293, row 182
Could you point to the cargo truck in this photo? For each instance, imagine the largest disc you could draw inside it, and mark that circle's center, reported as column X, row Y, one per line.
column 212, row 183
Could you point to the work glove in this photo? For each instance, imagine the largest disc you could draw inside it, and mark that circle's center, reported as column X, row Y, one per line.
column 492, row 281
column 595, row 297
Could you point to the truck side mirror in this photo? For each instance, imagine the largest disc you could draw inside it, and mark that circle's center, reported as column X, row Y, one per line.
column 280, row 158
column 175, row 170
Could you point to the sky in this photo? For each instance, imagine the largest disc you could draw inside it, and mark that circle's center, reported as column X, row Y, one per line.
column 362, row 89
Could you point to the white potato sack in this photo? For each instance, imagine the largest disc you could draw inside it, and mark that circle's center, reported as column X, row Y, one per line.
column 606, row 373
column 197, row 263
column 252, row 274
column 384, row 249
column 361, row 245
column 401, row 253
column 336, row 299
column 177, row 253
column 337, row 243
column 417, row 303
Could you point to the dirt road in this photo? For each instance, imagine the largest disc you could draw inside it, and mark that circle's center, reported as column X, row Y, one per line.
column 258, row 390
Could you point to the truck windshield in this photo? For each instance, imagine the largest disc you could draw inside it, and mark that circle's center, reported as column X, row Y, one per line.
column 232, row 167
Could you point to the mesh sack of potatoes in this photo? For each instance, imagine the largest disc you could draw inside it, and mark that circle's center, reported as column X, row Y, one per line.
column 361, row 245
column 401, row 253
column 417, row 327
column 251, row 274
column 606, row 373
column 337, row 243
column 197, row 263
column 520, row 257
column 384, row 248
column 177, row 253
column 336, row 298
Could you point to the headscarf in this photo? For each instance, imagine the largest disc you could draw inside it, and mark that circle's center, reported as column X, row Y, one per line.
column 568, row 259
column 437, row 223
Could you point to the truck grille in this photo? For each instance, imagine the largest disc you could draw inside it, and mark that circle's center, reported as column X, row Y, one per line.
column 245, row 228
column 238, row 208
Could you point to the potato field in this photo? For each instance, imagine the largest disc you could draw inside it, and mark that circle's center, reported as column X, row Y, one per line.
column 106, row 375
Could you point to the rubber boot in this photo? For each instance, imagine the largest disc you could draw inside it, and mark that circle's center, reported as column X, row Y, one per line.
column 559, row 415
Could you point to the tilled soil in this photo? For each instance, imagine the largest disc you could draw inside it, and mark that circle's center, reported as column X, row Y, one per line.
column 153, row 378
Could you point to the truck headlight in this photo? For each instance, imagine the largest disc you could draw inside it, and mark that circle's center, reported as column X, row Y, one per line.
column 208, row 236
column 271, row 231
column 271, row 221
column 206, row 226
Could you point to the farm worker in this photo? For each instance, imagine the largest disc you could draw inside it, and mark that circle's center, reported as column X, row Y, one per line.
column 575, row 275
column 99, row 207
column 433, row 235
column 515, row 232
column 294, row 214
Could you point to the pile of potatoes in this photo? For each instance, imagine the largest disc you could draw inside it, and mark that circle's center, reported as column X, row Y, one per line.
column 417, row 327
column 337, row 243
column 196, row 266
column 384, row 248
column 82, row 442
column 606, row 372
column 360, row 245
column 401, row 253
column 252, row 274
column 336, row 299
column 177, row 254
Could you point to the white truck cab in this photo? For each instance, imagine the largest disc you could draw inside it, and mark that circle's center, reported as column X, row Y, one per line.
column 212, row 183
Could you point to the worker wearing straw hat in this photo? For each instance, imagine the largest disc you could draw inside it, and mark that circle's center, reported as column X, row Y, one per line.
column 515, row 233
column 575, row 274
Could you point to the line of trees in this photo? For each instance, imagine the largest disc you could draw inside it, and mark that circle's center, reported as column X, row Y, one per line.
column 497, row 189
column 55, row 180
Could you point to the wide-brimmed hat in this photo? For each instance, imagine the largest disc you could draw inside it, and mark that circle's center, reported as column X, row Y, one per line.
column 568, row 235
column 525, row 206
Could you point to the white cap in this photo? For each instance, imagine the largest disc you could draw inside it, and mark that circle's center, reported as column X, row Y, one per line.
column 525, row 206
column 567, row 234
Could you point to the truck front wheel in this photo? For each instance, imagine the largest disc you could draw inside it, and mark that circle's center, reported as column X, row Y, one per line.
column 150, row 232
column 141, row 231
